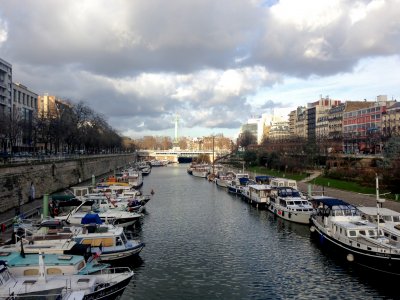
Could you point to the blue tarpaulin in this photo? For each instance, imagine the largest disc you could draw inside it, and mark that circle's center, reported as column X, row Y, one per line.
column 91, row 219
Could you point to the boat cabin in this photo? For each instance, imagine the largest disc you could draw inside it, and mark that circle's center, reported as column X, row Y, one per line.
column 284, row 182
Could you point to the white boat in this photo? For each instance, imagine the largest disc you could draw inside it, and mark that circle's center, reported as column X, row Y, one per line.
column 116, row 217
column 257, row 194
column 223, row 180
column 239, row 181
column 109, row 242
column 105, row 285
column 158, row 163
column 22, row 263
column 287, row 203
column 341, row 229
column 200, row 170
column 135, row 178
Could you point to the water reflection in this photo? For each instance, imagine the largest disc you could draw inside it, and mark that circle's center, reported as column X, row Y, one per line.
column 204, row 243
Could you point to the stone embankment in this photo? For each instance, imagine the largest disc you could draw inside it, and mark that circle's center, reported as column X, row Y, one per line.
column 52, row 176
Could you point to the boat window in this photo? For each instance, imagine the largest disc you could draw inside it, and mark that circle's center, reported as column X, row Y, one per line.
column 118, row 241
column 30, row 272
column 396, row 218
column 5, row 276
column 52, row 271
column 338, row 213
column 362, row 232
column 394, row 238
column 352, row 233
column 340, row 230
column 290, row 203
column 81, row 265
column 304, row 202
column 371, row 232
column 386, row 234
column 123, row 237
column 95, row 242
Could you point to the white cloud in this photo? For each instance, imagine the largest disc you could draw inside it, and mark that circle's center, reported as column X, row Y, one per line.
column 210, row 61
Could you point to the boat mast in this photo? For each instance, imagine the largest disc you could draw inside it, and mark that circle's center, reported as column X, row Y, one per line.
column 377, row 199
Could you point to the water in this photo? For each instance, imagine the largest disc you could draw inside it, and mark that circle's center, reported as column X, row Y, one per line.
column 203, row 243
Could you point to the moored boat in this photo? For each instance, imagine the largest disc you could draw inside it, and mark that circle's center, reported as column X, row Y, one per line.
column 340, row 227
column 287, row 203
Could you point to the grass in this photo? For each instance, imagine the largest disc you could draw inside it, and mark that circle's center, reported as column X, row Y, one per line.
column 343, row 185
column 276, row 173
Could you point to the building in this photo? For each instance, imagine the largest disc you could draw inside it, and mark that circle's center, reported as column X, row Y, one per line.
column 5, row 104
column 25, row 105
column 51, row 106
column 317, row 113
column 5, row 87
column 391, row 121
column 362, row 128
column 300, row 127
column 279, row 131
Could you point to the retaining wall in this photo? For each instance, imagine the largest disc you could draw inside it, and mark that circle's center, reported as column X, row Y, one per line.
column 52, row 176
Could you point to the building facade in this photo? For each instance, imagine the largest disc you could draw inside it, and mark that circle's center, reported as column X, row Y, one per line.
column 391, row 121
column 5, row 105
column 51, row 106
column 25, row 105
column 362, row 129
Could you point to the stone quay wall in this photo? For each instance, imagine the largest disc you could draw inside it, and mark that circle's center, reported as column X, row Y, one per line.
column 52, row 176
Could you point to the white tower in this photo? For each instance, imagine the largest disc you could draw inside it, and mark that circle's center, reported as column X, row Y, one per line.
column 176, row 139
column 176, row 128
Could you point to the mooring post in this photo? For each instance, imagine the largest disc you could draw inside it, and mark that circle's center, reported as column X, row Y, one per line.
column 45, row 206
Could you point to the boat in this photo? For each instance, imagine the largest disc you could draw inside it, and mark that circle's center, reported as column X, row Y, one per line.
column 201, row 170
column 287, row 203
column 223, row 180
column 108, row 241
column 239, row 181
column 257, row 194
column 22, row 263
column 158, row 163
column 340, row 227
column 135, row 178
column 116, row 217
column 107, row 284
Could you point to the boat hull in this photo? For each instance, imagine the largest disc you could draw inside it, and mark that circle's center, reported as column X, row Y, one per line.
column 296, row 217
column 386, row 263
column 112, row 256
column 110, row 292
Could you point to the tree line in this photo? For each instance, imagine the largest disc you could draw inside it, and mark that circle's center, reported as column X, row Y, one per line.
column 68, row 129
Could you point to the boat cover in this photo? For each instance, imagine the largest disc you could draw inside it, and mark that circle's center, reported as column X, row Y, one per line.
column 330, row 202
column 91, row 219
column 243, row 180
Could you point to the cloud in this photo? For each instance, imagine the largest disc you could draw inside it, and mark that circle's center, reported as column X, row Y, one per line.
column 206, row 60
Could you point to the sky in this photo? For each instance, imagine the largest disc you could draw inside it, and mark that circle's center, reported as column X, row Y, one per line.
column 215, row 64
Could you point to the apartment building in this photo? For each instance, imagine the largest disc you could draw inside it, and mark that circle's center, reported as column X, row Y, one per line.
column 391, row 121
column 50, row 106
column 362, row 128
column 5, row 87
column 317, row 121
column 25, row 104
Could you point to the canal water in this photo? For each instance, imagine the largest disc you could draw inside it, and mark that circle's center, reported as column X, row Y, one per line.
column 203, row 243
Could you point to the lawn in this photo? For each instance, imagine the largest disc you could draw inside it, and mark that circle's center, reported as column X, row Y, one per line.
column 265, row 171
column 345, row 185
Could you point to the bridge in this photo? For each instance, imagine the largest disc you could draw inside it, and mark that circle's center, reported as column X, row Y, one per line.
column 174, row 155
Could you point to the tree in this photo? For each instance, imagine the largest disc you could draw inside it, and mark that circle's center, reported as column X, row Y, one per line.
column 246, row 139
